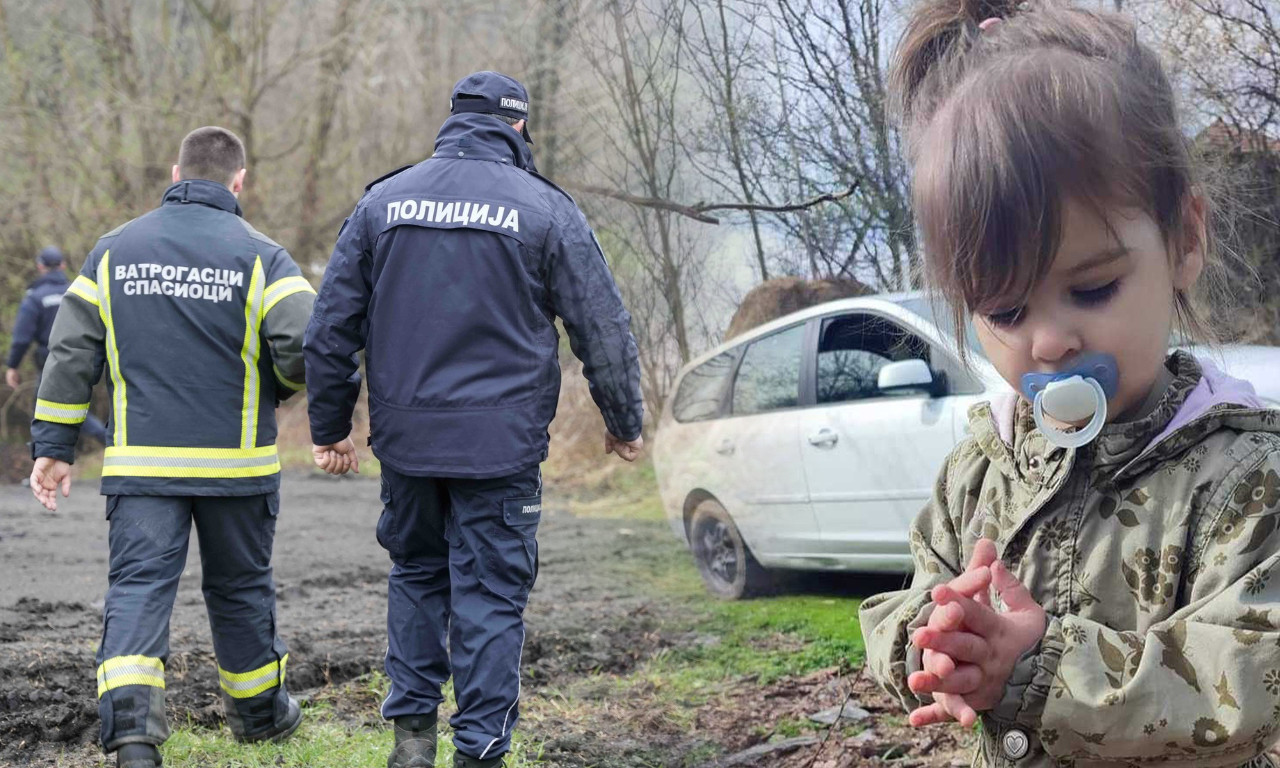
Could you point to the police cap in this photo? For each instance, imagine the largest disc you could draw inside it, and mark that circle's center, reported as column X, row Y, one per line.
column 491, row 93
column 49, row 257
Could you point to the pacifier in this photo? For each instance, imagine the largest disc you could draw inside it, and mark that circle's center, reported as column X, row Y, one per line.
column 1078, row 393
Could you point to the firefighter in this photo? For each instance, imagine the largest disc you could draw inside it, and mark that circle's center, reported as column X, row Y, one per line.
column 449, row 274
column 199, row 320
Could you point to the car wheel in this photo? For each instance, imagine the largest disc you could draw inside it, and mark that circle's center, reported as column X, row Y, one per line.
column 727, row 566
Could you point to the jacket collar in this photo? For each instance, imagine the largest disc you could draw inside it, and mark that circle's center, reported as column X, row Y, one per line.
column 1199, row 400
column 52, row 277
column 472, row 136
column 204, row 192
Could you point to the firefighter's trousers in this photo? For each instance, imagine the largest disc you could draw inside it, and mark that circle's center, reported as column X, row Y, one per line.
column 148, row 540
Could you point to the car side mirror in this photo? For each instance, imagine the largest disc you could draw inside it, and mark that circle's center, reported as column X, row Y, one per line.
column 904, row 375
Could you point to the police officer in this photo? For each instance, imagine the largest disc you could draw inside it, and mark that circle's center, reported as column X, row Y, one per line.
column 200, row 320
column 449, row 274
column 35, row 319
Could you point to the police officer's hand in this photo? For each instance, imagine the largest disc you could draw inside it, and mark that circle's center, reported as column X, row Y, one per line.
column 628, row 450
column 338, row 458
column 12, row 378
column 46, row 476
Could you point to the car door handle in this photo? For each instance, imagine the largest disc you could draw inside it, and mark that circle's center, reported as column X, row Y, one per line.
column 824, row 438
column 725, row 448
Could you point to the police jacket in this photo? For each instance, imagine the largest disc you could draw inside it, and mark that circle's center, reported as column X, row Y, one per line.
column 35, row 317
column 449, row 274
column 198, row 319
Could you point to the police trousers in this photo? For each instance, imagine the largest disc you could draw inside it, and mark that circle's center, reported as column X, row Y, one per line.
column 148, row 539
column 464, row 558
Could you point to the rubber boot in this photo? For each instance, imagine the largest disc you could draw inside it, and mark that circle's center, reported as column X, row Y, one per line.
column 282, row 730
column 415, row 742
column 138, row 756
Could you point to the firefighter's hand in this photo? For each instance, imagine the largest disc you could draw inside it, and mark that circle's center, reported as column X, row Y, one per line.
column 46, row 476
column 338, row 458
column 628, row 450
column 12, row 378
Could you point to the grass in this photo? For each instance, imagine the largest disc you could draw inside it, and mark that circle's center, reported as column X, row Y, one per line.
column 322, row 740
column 325, row 738
column 616, row 492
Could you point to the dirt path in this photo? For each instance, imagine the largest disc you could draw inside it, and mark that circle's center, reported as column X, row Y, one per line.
column 586, row 616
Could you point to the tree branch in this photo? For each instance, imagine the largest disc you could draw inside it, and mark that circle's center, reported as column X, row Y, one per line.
column 699, row 211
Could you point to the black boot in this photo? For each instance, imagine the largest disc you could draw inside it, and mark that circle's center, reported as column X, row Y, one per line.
column 462, row 761
column 415, row 742
column 282, row 730
column 138, row 756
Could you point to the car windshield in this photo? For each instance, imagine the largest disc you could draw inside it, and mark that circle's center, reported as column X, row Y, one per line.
column 921, row 306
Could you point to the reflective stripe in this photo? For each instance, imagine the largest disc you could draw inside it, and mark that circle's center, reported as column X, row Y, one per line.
column 242, row 685
column 85, row 289
column 130, row 670
column 164, row 461
column 249, row 354
column 296, row 386
column 120, row 399
column 61, row 413
column 514, row 702
column 283, row 287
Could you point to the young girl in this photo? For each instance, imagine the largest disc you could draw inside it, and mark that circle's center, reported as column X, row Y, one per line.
column 1136, row 576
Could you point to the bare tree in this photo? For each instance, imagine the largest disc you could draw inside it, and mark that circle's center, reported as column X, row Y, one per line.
column 1245, row 34
column 724, row 56
column 831, row 67
column 636, row 54
column 335, row 62
column 556, row 22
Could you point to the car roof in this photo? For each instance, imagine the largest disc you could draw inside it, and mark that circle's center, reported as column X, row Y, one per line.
column 890, row 303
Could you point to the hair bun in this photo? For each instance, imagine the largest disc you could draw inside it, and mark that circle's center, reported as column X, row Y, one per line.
column 935, row 40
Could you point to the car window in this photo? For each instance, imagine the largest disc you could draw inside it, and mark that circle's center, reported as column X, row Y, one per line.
column 769, row 375
column 702, row 390
column 853, row 348
column 945, row 325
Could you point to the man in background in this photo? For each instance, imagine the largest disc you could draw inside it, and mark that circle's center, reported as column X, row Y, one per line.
column 35, row 320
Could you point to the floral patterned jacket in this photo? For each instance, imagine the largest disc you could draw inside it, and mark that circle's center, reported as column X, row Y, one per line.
column 1156, row 554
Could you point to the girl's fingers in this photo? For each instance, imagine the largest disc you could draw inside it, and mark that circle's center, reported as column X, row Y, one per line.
column 930, row 714
column 969, row 583
column 960, row 646
column 958, row 709
column 939, row 664
column 984, row 553
column 963, row 647
column 946, row 618
column 922, row 682
column 1013, row 593
column 964, row 680
column 975, row 617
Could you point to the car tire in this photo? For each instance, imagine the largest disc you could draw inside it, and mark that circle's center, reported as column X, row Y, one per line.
column 727, row 567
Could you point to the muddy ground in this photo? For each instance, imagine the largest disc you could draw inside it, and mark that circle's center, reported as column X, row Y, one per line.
column 588, row 615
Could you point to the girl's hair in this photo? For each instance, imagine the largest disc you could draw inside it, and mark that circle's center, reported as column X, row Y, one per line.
column 1005, row 125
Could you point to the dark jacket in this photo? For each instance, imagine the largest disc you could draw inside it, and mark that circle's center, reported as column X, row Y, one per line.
column 450, row 274
column 35, row 317
column 198, row 318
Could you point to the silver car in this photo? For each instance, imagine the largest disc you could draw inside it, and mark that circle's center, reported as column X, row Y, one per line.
column 813, row 441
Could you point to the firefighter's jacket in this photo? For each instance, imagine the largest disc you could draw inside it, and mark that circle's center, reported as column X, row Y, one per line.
column 198, row 319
